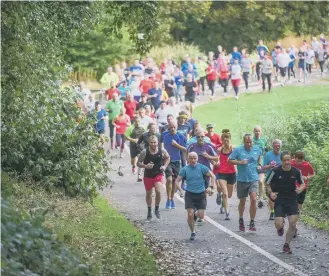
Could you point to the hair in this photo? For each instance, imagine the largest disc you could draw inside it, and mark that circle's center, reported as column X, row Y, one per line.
column 226, row 135
column 286, row 152
column 277, row 141
column 258, row 127
column 153, row 137
column 300, row 155
column 246, row 135
column 225, row 130
column 189, row 107
column 150, row 124
column 170, row 115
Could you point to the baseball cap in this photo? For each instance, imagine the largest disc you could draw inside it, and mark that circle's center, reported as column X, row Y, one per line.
column 210, row 126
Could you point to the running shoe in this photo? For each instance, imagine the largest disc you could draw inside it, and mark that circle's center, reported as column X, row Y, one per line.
column 252, row 226
column 241, row 225
column 121, row 156
column 200, row 220
column 193, row 236
column 139, row 178
column 260, row 204
column 172, row 204
column 222, row 210
column 280, row 231
column 272, row 216
column 168, row 204
column 295, row 234
column 286, row 249
column 219, row 199
column 157, row 213
column 236, row 97
column 227, row 216
column 149, row 216
column 133, row 170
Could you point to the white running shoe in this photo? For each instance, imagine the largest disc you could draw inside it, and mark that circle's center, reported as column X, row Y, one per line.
column 236, row 97
column 225, row 94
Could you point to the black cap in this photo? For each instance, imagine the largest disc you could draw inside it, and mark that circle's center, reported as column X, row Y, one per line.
column 210, row 126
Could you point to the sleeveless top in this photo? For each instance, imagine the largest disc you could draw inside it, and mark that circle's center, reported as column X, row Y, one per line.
column 157, row 161
column 224, row 165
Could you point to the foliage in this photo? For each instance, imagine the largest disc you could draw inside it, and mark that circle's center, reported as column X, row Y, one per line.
column 43, row 132
column 27, row 248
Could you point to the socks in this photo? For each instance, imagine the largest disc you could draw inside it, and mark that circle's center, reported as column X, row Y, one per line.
column 272, row 210
column 149, row 209
column 156, row 208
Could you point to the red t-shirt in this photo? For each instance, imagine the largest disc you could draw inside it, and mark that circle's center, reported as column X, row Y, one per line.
column 224, row 165
column 146, row 85
column 305, row 168
column 111, row 91
column 130, row 107
column 122, row 122
column 211, row 73
column 215, row 140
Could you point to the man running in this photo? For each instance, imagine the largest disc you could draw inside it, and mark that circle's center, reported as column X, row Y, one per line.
column 101, row 116
column 281, row 188
column 195, row 195
column 154, row 160
column 247, row 158
column 175, row 143
column 144, row 139
column 271, row 160
column 267, row 68
column 260, row 141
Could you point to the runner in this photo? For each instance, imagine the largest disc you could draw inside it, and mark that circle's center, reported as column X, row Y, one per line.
column 154, row 160
column 267, row 68
column 271, row 160
column 144, row 119
column 113, row 108
column 109, row 77
column 174, row 142
column 236, row 77
column 211, row 77
column 161, row 115
column 283, row 63
column 121, row 122
column 291, row 63
column 224, row 72
column 195, row 196
column 261, row 142
column 307, row 172
column 225, row 174
column 101, row 116
column 247, row 158
column 214, row 137
column 143, row 140
column 189, row 89
column 132, row 134
column 201, row 67
column 130, row 105
column 246, row 64
column 281, row 188
column 172, row 107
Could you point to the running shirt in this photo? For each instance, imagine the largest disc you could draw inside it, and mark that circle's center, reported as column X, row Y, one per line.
column 224, row 165
column 130, row 107
column 157, row 160
column 161, row 115
column 215, row 140
column 284, row 183
column 211, row 73
column 145, row 121
column 246, row 65
column 134, row 132
column 194, row 176
column 271, row 158
column 100, row 124
column 155, row 100
column 261, row 142
column 114, row 108
column 267, row 66
column 236, row 72
column 247, row 172
column 305, row 168
column 121, row 122
column 189, row 87
column 184, row 129
column 200, row 149
column 283, row 60
column 167, row 138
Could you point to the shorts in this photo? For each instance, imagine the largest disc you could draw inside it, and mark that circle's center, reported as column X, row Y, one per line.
column 230, row 178
column 149, row 182
column 301, row 64
column 190, row 98
column 236, row 82
column 134, row 150
column 195, row 201
column 173, row 169
column 283, row 71
column 245, row 188
column 285, row 208
column 301, row 197
column 101, row 131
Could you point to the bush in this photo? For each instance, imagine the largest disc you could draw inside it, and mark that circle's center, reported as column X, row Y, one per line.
column 27, row 248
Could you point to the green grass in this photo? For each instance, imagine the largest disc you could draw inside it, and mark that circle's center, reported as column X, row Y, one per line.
column 253, row 109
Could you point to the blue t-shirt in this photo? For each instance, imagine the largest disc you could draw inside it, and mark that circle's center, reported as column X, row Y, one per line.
column 248, row 172
column 179, row 80
column 292, row 63
column 236, row 55
column 191, row 122
column 166, row 139
column 184, row 129
column 194, row 176
column 269, row 157
column 100, row 124
column 156, row 100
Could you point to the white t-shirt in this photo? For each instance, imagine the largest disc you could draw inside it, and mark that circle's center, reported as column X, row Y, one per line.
column 134, row 87
column 161, row 115
column 236, row 72
column 145, row 121
column 283, row 60
column 173, row 110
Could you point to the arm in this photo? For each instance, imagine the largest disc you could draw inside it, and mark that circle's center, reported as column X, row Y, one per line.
column 238, row 162
column 212, row 178
column 302, row 186
column 178, row 183
column 269, row 191
column 140, row 161
column 166, row 158
column 175, row 144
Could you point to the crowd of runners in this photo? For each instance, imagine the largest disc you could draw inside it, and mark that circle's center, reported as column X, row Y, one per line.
column 150, row 110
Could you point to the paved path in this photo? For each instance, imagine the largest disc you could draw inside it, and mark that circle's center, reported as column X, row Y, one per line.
column 220, row 249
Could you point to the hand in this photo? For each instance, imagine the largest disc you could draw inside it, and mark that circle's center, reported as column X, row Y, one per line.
column 149, row 165
column 272, row 164
column 259, row 168
column 244, row 162
column 162, row 168
column 174, row 143
column 298, row 190
column 209, row 191
column 206, row 155
column 134, row 141
column 117, row 126
column 273, row 196
column 305, row 178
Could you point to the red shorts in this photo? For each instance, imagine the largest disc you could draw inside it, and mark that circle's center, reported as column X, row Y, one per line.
column 149, row 182
column 236, row 82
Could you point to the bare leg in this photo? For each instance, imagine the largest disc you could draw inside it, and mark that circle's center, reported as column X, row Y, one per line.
column 230, row 188
column 149, row 198
column 278, row 223
column 223, row 185
column 190, row 219
column 292, row 228
column 168, row 187
column 157, row 193
column 252, row 205
column 261, row 186
column 242, row 205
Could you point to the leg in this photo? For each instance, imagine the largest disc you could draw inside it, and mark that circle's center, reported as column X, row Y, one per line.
column 268, row 76
column 201, row 213
column 293, row 72
column 261, row 186
column 190, row 219
column 292, row 228
column 289, row 72
column 111, row 126
column 230, row 188
column 279, row 223
column 241, row 207
column 173, row 188
column 252, row 210
column 149, row 198
column 157, row 194
column 118, row 139
column 263, row 81
column 169, row 187
column 223, row 185
column 258, row 70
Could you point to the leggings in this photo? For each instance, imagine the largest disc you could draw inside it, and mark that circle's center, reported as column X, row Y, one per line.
column 224, row 84
column 258, row 70
column 202, row 82
column 291, row 70
column 111, row 131
column 120, row 140
column 268, row 77
column 309, row 68
column 321, row 65
column 245, row 78
column 211, row 84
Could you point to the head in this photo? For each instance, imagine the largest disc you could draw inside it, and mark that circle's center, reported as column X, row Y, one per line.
column 182, row 117
column 276, row 144
column 141, row 112
column 157, row 84
column 266, row 56
column 189, row 77
column 172, row 101
column 97, row 105
column 190, row 68
column 211, row 55
column 109, row 69
column 284, row 50
column 153, row 141
column 258, row 131
column 219, row 48
column 115, row 97
column 260, row 42
column 91, row 97
column 123, row 64
column 299, row 157
column 199, row 133
column 235, row 49
column 192, row 158
column 321, row 36
column 172, row 127
column 226, row 139
column 246, row 55
column 236, row 61
column 136, row 62
column 188, row 59
column 286, row 160
column 148, row 109
column 247, row 141
column 278, row 43
column 152, row 128
column 144, row 98
column 163, row 104
column 210, row 128
column 130, row 96
column 170, row 118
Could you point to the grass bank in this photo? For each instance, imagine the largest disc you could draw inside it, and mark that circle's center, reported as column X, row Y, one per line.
column 102, row 236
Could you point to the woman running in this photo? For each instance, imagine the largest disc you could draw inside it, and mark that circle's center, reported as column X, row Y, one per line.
column 121, row 122
column 225, row 173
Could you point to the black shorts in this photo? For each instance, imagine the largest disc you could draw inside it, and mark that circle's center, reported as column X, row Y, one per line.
column 301, row 197
column 195, row 201
column 230, row 178
column 134, row 150
column 283, row 71
column 285, row 208
column 190, row 98
column 173, row 169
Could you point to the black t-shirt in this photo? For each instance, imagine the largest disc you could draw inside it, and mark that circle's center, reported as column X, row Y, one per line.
column 148, row 71
column 145, row 139
column 284, row 183
column 169, row 89
column 141, row 104
column 189, row 87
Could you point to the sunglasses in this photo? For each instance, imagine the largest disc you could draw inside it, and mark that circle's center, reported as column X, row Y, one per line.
column 200, row 137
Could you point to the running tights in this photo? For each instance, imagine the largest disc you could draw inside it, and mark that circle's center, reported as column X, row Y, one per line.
column 236, row 90
column 111, row 131
column 211, row 84
column 309, row 68
column 321, row 65
column 258, row 70
column 291, row 70
column 268, row 78
column 202, row 83
column 245, row 78
column 224, row 84
column 120, row 141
